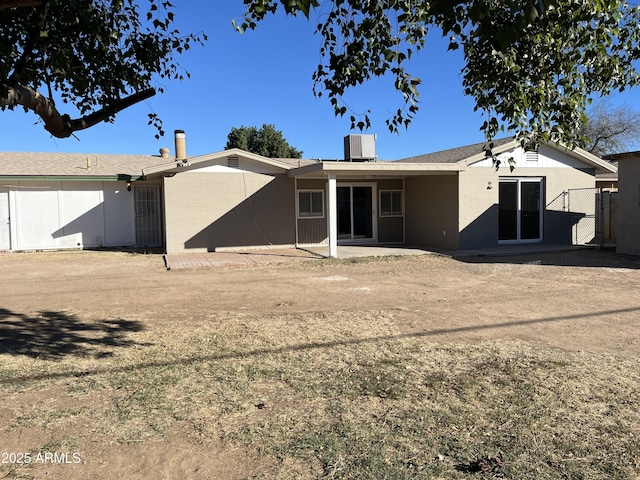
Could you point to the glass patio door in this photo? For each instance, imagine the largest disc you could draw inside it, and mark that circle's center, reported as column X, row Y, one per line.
column 520, row 210
column 355, row 213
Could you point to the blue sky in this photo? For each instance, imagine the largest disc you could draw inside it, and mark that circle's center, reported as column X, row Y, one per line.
column 264, row 76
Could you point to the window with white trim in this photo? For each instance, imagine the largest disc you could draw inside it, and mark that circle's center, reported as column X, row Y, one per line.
column 310, row 203
column 390, row 203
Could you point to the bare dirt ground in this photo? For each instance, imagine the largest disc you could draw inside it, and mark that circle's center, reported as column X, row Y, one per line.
column 57, row 307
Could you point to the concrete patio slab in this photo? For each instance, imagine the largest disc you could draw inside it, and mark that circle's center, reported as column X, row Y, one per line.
column 266, row 256
column 353, row 251
column 178, row 261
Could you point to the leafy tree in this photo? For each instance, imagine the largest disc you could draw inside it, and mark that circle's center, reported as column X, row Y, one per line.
column 530, row 65
column 611, row 129
column 100, row 56
column 266, row 141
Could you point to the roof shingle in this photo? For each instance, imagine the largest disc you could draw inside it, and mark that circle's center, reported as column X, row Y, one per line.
column 455, row 155
column 74, row 164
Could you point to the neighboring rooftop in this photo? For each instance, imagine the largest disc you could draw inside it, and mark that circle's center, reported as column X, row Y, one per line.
column 35, row 164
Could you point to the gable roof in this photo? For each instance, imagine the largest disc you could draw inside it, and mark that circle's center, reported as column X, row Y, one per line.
column 470, row 154
column 119, row 167
column 454, row 155
column 600, row 165
column 112, row 167
column 176, row 166
column 77, row 165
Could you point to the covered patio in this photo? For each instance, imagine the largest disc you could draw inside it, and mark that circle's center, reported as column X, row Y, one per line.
column 367, row 202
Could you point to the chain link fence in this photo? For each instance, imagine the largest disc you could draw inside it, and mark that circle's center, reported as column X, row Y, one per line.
column 582, row 205
column 592, row 216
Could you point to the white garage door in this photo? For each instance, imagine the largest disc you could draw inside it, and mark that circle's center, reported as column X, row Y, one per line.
column 5, row 239
column 37, row 215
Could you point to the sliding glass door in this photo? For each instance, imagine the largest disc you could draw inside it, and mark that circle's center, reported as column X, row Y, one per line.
column 355, row 213
column 520, row 210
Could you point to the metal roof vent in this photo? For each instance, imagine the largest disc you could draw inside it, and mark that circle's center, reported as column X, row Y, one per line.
column 360, row 148
column 531, row 156
column 233, row 162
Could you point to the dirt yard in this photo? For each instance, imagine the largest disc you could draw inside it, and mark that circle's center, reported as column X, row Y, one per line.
column 68, row 318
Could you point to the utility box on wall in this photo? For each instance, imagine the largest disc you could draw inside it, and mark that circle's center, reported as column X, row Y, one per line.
column 360, row 148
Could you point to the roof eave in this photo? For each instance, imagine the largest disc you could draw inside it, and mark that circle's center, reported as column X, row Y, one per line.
column 374, row 168
column 479, row 157
column 178, row 165
column 600, row 165
column 76, row 178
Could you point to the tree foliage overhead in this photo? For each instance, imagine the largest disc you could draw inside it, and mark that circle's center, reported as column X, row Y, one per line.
column 266, row 141
column 100, row 56
column 530, row 65
column 611, row 129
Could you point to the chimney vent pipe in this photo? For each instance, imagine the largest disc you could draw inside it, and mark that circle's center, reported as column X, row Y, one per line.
column 181, row 144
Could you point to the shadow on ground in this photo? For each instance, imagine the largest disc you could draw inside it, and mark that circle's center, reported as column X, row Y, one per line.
column 311, row 346
column 53, row 335
column 572, row 258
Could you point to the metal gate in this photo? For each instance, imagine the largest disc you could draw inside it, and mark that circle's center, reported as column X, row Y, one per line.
column 609, row 210
column 147, row 210
column 586, row 220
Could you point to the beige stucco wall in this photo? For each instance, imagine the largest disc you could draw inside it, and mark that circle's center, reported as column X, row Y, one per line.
column 478, row 209
column 432, row 211
column 209, row 210
column 629, row 206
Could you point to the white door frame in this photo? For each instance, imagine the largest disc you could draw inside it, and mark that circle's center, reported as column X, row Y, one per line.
column 519, row 181
column 374, row 212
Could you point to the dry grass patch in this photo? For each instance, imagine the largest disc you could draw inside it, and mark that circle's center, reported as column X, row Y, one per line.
column 341, row 395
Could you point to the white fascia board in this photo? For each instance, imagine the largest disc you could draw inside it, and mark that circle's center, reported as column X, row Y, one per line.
column 577, row 153
column 602, row 166
column 478, row 157
column 374, row 168
column 173, row 165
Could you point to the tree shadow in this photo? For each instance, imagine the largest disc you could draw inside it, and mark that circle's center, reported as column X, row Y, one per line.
column 579, row 257
column 53, row 335
column 315, row 345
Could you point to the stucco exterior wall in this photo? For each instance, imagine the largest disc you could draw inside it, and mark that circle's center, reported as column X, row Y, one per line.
column 432, row 211
column 478, row 209
column 629, row 206
column 209, row 210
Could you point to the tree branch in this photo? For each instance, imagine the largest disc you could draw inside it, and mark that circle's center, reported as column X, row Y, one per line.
column 20, row 3
column 108, row 112
column 34, row 35
column 62, row 126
